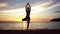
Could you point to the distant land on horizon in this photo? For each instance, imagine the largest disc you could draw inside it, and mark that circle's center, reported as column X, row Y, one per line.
column 55, row 20
column 57, row 11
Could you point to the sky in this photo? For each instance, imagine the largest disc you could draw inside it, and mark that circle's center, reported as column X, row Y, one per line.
column 41, row 10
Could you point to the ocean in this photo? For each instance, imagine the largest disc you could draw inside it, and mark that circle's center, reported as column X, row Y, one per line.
column 23, row 25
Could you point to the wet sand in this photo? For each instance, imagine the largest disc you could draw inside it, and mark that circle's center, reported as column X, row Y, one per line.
column 37, row 31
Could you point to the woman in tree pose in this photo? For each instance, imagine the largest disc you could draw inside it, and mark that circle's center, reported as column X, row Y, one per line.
column 27, row 18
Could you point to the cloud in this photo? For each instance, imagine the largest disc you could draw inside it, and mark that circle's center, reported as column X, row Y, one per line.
column 52, row 3
column 3, row 5
column 12, row 4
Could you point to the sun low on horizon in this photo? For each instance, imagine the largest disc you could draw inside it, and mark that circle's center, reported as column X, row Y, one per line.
column 15, row 11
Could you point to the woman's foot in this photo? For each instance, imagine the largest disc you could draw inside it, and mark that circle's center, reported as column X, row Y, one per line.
column 25, row 19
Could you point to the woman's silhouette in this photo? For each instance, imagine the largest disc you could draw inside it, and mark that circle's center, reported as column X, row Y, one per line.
column 27, row 18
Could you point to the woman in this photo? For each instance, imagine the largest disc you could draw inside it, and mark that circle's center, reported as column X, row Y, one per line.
column 27, row 18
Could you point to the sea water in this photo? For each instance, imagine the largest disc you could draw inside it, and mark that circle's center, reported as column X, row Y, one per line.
column 32, row 25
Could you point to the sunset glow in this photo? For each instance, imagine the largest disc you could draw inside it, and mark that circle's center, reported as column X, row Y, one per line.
column 19, row 13
column 14, row 11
